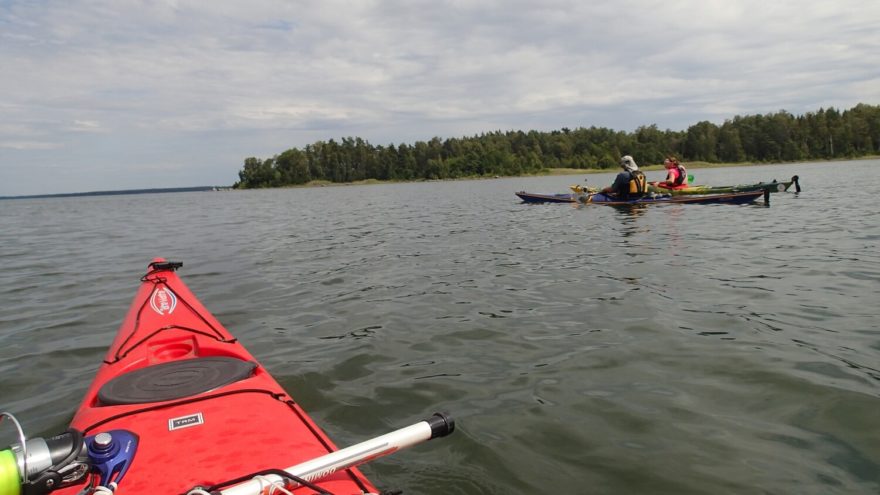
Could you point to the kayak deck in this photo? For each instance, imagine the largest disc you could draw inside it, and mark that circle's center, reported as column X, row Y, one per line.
column 772, row 186
column 203, row 408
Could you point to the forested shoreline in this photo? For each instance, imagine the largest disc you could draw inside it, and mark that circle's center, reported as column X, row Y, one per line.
column 772, row 138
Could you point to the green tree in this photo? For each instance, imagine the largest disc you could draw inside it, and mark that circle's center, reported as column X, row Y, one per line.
column 293, row 167
column 701, row 141
column 780, row 136
column 730, row 147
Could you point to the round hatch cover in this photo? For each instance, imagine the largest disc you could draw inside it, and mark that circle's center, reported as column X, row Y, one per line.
column 174, row 380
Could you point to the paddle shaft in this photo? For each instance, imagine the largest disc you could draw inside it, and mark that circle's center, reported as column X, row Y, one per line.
column 437, row 425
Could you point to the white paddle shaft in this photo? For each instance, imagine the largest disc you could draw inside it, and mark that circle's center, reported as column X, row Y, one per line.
column 321, row 467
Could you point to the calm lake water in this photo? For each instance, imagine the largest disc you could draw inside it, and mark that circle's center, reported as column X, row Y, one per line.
column 673, row 349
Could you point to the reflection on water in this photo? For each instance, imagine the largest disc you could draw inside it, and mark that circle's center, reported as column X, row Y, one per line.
column 639, row 349
column 628, row 215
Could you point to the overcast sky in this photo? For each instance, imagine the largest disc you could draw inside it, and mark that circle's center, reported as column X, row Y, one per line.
column 122, row 94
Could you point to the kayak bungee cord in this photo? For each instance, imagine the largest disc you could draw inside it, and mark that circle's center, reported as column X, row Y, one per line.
column 162, row 300
column 436, row 426
column 91, row 489
column 286, row 478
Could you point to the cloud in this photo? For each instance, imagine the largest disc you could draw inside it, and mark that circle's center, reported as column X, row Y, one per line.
column 267, row 75
column 86, row 126
column 29, row 145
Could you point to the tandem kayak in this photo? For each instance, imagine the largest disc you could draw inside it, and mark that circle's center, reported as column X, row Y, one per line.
column 577, row 190
column 600, row 198
column 179, row 406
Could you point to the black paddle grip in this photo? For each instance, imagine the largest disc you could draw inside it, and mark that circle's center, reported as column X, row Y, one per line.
column 441, row 425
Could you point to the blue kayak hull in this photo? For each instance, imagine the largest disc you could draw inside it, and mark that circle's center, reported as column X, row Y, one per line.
column 546, row 198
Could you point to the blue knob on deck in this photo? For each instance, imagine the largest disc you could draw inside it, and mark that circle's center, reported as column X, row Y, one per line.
column 111, row 454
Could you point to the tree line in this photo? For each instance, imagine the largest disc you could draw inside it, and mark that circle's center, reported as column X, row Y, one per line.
column 772, row 138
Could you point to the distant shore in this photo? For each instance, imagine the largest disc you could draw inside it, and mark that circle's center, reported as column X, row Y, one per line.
column 121, row 192
column 569, row 171
column 545, row 172
column 687, row 165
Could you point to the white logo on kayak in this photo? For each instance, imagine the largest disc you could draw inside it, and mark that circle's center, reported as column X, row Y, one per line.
column 163, row 301
column 185, row 421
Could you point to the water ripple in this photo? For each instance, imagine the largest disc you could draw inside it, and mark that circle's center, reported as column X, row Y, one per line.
column 676, row 349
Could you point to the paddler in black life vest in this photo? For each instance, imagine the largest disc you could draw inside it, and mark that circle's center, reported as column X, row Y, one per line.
column 630, row 183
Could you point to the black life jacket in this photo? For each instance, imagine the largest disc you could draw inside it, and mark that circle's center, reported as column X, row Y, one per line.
column 682, row 175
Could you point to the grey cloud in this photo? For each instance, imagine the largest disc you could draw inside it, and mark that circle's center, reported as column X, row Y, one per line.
column 268, row 75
